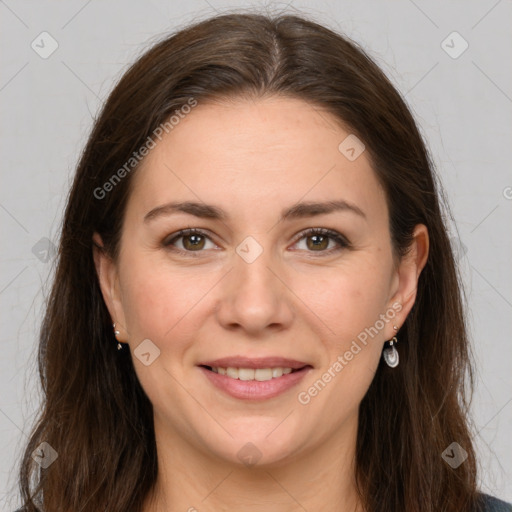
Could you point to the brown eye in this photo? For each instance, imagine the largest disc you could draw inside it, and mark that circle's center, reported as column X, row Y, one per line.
column 193, row 242
column 317, row 242
column 188, row 241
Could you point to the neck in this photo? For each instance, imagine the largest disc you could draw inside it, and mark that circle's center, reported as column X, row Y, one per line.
column 193, row 481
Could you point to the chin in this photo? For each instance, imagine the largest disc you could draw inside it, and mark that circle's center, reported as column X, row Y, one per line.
column 258, row 446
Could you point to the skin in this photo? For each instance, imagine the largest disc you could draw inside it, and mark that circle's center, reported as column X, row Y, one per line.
column 253, row 158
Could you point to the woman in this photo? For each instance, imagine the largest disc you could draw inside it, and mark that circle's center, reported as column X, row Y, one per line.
column 256, row 305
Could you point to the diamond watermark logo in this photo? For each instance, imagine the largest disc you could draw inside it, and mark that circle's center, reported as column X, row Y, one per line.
column 44, row 250
column 249, row 454
column 45, row 455
column 454, row 455
column 351, row 147
column 44, row 45
column 454, row 45
column 147, row 352
column 249, row 249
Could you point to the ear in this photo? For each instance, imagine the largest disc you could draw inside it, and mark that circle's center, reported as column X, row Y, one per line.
column 107, row 273
column 405, row 280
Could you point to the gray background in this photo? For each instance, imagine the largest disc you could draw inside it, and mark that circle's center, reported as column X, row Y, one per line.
column 462, row 104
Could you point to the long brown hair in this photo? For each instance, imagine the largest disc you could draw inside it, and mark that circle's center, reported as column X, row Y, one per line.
column 95, row 413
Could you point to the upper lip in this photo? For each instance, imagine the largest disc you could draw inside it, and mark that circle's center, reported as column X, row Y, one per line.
column 254, row 362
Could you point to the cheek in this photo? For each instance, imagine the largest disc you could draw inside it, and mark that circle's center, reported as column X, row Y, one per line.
column 348, row 299
column 159, row 299
column 350, row 305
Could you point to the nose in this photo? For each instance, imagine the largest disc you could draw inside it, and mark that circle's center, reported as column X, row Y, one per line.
column 254, row 297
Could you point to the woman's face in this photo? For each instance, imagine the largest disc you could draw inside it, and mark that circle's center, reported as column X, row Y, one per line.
column 252, row 289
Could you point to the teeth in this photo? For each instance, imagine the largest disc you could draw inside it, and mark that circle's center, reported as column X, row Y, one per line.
column 232, row 372
column 262, row 374
column 245, row 373
column 277, row 372
column 259, row 374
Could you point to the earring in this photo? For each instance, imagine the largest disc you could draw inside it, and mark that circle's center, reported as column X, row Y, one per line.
column 116, row 334
column 391, row 354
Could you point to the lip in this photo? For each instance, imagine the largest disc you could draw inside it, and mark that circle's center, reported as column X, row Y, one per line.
column 255, row 390
column 255, row 362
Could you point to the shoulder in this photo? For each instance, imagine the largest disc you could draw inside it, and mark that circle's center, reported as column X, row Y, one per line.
column 492, row 504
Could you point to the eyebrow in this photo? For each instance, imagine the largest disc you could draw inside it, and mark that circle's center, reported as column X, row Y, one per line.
column 297, row 211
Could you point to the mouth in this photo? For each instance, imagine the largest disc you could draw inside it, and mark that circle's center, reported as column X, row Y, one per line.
column 253, row 374
column 254, row 379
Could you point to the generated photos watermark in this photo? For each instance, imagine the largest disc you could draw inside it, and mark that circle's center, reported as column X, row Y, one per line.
column 149, row 144
column 305, row 397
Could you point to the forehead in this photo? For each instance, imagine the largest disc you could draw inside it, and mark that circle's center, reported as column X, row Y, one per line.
column 252, row 152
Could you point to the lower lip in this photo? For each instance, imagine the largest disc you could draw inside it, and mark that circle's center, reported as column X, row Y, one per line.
column 254, row 389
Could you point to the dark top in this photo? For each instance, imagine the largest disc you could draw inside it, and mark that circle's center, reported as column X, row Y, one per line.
column 491, row 504
column 487, row 504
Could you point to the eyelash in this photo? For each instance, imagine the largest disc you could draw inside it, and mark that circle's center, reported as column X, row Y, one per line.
column 334, row 235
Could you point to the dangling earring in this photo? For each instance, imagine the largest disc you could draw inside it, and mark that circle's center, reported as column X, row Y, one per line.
column 116, row 334
column 391, row 354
